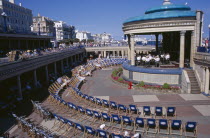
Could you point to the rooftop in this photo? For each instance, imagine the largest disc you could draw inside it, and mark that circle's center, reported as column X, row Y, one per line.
column 167, row 10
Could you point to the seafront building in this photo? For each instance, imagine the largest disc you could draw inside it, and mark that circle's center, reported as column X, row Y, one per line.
column 83, row 35
column 102, row 38
column 15, row 18
column 43, row 26
column 64, row 31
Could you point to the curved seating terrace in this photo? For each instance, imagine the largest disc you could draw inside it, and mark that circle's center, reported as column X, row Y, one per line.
column 84, row 115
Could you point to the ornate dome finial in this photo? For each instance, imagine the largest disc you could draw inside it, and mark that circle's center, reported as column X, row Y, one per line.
column 166, row 2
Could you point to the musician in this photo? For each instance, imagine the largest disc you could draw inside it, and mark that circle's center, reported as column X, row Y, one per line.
column 143, row 60
column 147, row 61
column 138, row 60
column 167, row 57
column 157, row 61
column 162, row 58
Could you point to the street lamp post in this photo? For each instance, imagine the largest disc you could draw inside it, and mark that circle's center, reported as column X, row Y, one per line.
column 5, row 21
column 39, row 28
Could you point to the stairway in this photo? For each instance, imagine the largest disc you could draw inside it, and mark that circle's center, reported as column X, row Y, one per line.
column 195, row 89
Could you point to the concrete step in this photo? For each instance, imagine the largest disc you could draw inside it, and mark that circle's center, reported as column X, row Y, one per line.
column 195, row 92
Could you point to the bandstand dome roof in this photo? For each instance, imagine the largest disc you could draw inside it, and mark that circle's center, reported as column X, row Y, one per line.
column 167, row 10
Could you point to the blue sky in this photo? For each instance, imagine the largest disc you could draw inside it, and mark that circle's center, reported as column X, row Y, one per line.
column 98, row 16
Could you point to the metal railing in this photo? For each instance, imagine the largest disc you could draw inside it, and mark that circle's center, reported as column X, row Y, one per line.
column 12, row 69
column 202, row 58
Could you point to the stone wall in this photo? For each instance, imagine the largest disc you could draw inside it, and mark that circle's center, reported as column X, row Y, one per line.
column 185, row 83
column 159, row 79
column 200, row 75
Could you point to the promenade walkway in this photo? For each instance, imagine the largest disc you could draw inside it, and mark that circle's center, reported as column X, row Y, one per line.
column 189, row 106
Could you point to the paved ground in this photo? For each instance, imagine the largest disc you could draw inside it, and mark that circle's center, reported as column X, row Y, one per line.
column 189, row 107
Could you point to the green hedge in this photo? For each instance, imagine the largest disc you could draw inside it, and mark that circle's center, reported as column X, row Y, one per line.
column 166, row 86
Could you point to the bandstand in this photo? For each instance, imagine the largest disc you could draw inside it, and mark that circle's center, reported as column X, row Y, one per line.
column 181, row 31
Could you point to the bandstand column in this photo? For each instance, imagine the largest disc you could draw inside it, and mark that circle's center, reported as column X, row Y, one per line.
column 182, row 49
column 105, row 54
column 207, row 81
column 132, row 54
column 46, row 75
column 129, row 47
column 35, row 79
column 19, row 87
column 156, row 44
column 192, row 49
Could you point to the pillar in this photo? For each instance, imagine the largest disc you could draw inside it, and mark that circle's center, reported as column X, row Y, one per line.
column 118, row 53
column 55, row 68
column 192, row 49
column 62, row 70
column 104, row 54
column 46, row 74
column 182, row 49
column 199, row 25
column 35, row 79
column 72, row 60
column 19, row 94
column 207, row 81
column 67, row 62
column 75, row 58
column 132, row 54
column 122, row 52
column 157, row 50
column 44, row 44
column 18, row 44
column 27, row 44
column 113, row 54
column 129, row 47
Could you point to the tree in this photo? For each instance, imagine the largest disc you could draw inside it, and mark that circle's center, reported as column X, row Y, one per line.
column 76, row 40
column 90, row 40
column 84, row 41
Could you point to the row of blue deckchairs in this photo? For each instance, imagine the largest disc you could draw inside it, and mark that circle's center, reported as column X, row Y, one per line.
column 145, row 124
column 123, row 109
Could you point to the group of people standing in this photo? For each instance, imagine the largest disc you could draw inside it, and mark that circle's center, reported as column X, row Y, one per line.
column 148, row 59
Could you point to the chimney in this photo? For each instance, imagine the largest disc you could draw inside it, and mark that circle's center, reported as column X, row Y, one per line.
column 12, row 1
column 20, row 4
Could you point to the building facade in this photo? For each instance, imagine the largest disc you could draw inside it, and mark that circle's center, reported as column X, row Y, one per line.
column 103, row 38
column 14, row 18
column 83, row 35
column 43, row 26
column 64, row 31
